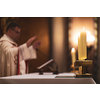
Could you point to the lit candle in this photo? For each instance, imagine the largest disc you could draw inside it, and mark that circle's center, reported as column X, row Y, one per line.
column 82, row 48
column 79, row 48
column 73, row 54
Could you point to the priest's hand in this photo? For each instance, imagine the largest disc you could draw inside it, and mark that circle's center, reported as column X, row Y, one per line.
column 36, row 44
column 29, row 42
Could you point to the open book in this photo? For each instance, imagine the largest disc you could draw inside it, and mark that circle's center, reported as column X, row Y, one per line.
column 47, row 65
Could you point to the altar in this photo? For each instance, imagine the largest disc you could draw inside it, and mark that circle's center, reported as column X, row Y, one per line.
column 46, row 78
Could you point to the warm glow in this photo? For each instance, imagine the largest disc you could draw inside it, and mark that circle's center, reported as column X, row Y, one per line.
column 73, row 49
column 83, row 28
column 79, row 24
column 90, row 38
column 74, row 39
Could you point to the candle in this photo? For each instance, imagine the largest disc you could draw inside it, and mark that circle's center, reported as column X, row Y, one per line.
column 73, row 54
column 82, row 48
column 79, row 47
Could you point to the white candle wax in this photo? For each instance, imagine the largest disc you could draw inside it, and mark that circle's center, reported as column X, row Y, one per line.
column 82, row 47
column 73, row 55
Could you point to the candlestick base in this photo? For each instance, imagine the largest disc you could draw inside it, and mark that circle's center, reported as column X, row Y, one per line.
column 74, row 69
column 83, row 75
column 82, row 64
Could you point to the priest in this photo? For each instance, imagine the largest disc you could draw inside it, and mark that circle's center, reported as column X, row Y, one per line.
column 13, row 58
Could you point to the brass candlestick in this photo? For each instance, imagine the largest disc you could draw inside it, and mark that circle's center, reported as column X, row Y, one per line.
column 74, row 69
column 82, row 64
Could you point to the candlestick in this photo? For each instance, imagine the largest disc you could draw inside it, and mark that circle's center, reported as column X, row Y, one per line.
column 73, row 54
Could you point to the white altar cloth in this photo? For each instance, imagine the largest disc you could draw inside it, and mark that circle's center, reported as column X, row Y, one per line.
column 46, row 78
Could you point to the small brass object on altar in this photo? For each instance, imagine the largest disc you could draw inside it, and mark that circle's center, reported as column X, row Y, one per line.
column 82, row 64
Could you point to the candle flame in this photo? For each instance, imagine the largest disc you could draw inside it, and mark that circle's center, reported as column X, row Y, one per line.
column 73, row 50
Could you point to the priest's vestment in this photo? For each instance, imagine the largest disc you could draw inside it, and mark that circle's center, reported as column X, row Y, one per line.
column 12, row 56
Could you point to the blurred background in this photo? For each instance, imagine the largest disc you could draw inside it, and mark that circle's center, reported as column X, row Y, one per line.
column 58, row 36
